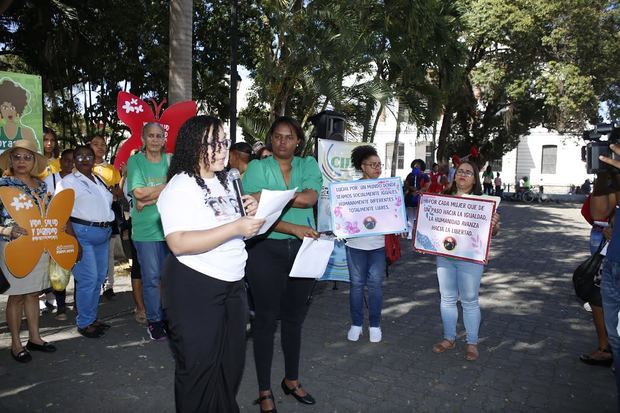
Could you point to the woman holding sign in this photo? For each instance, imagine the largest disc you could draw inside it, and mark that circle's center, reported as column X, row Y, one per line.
column 366, row 260
column 270, row 259
column 23, row 164
column 459, row 279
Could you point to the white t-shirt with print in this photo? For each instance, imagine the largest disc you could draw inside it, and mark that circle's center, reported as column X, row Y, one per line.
column 185, row 206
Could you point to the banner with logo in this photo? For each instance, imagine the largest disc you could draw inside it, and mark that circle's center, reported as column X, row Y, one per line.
column 454, row 226
column 21, row 109
column 367, row 207
column 45, row 231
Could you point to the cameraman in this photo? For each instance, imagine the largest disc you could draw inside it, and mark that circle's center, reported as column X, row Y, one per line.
column 605, row 197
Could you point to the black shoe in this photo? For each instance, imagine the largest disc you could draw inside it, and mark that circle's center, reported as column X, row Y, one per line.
column 91, row 331
column 307, row 399
column 266, row 397
column 21, row 357
column 101, row 325
column 109, row 293
column 45, row 347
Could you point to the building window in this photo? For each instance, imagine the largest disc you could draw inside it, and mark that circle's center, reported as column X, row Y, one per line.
column 549, row 158
column 389, row 150
column 429, row 156
column 496, row 165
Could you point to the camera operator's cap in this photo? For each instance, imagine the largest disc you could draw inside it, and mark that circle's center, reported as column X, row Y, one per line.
column 258, row 145
column 40, row 161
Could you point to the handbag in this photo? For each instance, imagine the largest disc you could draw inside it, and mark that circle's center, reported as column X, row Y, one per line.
column 585, row 275
column 4, row 283
column 59, row 277
column 392, row 248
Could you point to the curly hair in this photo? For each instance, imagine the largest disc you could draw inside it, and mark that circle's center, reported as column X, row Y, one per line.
column 360, row 153
column 14, row 94
column 191, row 147
column 50, row 131
column 476, row 189
column 295, row 127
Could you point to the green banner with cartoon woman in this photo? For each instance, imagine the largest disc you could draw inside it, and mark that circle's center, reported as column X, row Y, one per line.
column 21, row 109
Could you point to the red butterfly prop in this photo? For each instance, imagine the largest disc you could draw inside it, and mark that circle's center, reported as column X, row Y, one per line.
column 135, row 112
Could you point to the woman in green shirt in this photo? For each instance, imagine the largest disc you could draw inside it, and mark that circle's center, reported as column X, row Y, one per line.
column 271, row 258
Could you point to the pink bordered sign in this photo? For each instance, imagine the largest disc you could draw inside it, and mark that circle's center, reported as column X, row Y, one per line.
column 454, row 226
column 135, row 112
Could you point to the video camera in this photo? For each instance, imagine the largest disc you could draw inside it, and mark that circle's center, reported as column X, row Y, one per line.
column 595, row 148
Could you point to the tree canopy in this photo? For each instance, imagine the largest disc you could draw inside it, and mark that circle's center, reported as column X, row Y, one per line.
column 480, row 72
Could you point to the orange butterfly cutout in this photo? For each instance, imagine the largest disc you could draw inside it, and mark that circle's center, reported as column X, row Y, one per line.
column 45, row 231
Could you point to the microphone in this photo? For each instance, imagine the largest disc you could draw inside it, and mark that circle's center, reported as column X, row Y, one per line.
column 235, row 179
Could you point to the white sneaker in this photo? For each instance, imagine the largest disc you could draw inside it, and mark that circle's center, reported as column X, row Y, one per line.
column 587, row 307
column 375, row 334
column 354, row 333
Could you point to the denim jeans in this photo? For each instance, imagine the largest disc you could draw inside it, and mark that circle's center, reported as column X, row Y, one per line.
column 151, row 255
column 459, row 279
column 610, row 292
column 90, row 271
column 366, row 268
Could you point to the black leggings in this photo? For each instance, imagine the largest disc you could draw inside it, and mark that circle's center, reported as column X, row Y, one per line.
column 206, row 321
column 276, row 295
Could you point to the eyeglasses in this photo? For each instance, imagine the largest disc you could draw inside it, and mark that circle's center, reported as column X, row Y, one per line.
column 7, row 106
column 82, row 158
column 23, row 156
column 374, row 165
column 463, row 172
column 225, row 143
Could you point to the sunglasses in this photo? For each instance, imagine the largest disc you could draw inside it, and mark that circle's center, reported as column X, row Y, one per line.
column 23, row 156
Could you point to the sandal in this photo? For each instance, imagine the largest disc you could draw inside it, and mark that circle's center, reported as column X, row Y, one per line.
column 443, row 345
column 22, row 357
column 472, row 352
column 592, row 360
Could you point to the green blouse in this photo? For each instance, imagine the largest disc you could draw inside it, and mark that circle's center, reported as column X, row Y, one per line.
column 266, row 174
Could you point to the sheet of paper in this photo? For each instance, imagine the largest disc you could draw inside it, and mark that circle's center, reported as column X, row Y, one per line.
column 312, row 258
column 271, row 205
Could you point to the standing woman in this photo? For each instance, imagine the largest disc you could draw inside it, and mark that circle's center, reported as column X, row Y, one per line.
column 366, row 260
column 202, row 280
column 146, row 178
column 271, row 258
column 23, row 164
column 459, row 279
column 51, row 151
column 91, row 221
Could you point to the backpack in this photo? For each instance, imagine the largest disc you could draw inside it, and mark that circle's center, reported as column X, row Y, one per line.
column 584, row 277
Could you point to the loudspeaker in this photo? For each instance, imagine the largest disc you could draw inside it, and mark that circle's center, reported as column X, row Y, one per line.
column 329, row 125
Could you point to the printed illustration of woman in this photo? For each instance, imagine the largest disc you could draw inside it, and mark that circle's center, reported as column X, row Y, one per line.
column 13, row 102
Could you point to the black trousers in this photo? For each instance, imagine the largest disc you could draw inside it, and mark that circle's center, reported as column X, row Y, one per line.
column 276, row 295
column 206, row 320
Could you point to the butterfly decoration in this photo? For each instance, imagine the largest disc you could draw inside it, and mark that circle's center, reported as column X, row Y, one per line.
column 135, row 112
column 45, row 229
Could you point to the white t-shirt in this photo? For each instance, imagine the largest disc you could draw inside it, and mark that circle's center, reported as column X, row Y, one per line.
column 367, row 243
column 185, row 206
column 52, row 180
column 93, row 200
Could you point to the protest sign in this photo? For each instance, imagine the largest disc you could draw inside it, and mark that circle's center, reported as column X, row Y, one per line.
column 367, row 207
column 453, row 226
column 45, row 231
column 21, row 114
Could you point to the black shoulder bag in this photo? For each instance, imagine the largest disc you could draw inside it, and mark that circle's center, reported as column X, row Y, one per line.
column 584, row 276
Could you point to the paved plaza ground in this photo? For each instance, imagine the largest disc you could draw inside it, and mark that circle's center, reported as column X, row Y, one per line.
column 533, row 329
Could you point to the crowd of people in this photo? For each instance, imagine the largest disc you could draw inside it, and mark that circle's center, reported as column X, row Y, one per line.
column 194, row 252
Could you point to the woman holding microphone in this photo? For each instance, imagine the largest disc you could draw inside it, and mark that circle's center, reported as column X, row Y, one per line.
column 203, row 294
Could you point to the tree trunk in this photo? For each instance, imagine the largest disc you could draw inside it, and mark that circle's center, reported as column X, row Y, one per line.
column 180, row 51
column 399, row 118
column 371, row 138
column 442, row 140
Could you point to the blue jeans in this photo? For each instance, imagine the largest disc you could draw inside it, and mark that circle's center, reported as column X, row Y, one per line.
column 151, row 255
column 459, row 279
column 90, row 271
column 366, row 268
column 595, row 240
column 610, row 292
